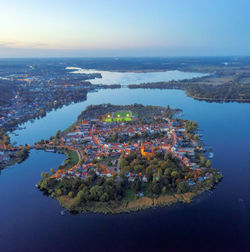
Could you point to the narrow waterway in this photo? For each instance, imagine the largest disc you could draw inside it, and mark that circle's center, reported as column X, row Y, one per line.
column 217, row 221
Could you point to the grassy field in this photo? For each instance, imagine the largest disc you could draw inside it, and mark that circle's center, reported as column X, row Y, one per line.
column 71, row 160
column 119, row 116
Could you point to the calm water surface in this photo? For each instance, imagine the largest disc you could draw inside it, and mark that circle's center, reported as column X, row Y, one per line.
column 126, row 78
column 218, row 221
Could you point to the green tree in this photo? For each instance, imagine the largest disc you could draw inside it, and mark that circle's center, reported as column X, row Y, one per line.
column 164, row 189
column 208, row 164
column 59, row 192
column 202, row 160
column 78, row 199
column 156, row 189
column 71, row 194
column 174, row 174
column 104, row 197
column 159, row 174
column 154, row 178
column 44, row 175
column 138, row 168
column 182, row 187
column 123, row 163
column 168, row 171
column 96, row 192
column 85, row 194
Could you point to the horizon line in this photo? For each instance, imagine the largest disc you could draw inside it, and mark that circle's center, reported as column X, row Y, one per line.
column 131, row 57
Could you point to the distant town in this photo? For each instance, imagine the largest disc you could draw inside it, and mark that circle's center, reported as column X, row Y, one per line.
column 30, row 92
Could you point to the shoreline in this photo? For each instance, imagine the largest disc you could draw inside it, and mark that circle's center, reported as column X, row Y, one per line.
column 143, row 203
column 183, row 88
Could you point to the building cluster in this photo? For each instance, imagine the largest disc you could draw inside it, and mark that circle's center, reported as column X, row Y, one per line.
column 91, row 140
column 36, row 93
column 8, row 152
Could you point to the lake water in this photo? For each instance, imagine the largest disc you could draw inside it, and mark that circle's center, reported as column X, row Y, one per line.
column 218, row 221
column 126, row 78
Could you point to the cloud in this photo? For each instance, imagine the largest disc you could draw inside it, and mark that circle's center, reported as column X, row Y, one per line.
column 6, row 44
column 23, row 44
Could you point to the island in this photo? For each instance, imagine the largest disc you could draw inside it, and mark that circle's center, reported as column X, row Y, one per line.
column 127, row 158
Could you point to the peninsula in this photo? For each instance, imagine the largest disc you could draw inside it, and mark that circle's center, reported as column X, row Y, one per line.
column 127, row 158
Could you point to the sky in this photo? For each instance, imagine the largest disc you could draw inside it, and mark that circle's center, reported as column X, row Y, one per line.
column 103, row 28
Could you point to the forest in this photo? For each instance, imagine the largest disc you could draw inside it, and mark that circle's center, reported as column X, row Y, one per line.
column 225, row 92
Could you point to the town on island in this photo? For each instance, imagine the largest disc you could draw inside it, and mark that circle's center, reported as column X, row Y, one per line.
column 127, row 158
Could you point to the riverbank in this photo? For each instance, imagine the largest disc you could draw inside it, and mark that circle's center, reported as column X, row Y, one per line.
column 138, row 204
column 72, row 155
column 204, row 92
column 17, row 157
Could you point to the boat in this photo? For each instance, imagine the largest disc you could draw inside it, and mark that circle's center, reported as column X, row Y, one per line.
column 211, row 155
column 49, row 150
column 62, row 212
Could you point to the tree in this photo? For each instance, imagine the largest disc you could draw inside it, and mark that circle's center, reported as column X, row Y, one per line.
column 96, row 192
column 154, row 179
column 22, row 154
column 174, row 174
column 44, row 175
column 59, row 192
column 123, row 163
column 58, row 134
column 168, row 172
column 85, row 194
column 159, row 174
column 164, row 189
column 138, row 168
column 202, row 160
column 78, row 199
column 182, row 187
column 71, row 194
column 208, row 164
column 137, row 185
column 104, row 197
column 156, row 189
